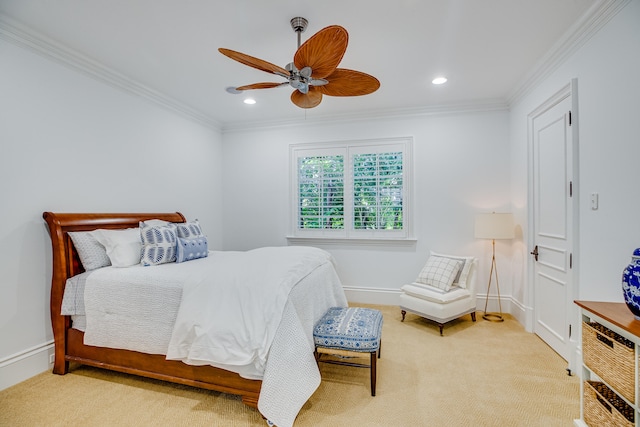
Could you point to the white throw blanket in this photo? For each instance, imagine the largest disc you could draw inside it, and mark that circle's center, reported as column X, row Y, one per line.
column 229, row 319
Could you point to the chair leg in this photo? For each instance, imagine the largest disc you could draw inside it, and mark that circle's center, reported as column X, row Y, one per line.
column 373, row 373
column 473, row 316
column 441, row 326
column 403, row 314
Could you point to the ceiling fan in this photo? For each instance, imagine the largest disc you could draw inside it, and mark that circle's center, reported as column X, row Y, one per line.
column 314, row 71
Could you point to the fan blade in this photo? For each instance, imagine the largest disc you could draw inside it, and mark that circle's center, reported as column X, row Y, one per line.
column 323, row 51
column 265, row 85
column 309, row 100
column 254, row 62
column 343, row 82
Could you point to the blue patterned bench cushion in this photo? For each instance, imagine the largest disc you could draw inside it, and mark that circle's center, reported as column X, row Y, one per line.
column 352, row 328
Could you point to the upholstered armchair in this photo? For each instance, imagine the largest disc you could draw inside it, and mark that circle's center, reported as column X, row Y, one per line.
column 444, row 290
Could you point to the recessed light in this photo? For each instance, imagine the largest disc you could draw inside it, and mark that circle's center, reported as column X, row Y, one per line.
column 250, row 101
column 439, row 80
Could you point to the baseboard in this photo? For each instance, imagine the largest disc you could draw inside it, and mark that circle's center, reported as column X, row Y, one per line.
column 520, row 312
column 25, row 364
column 372, row 295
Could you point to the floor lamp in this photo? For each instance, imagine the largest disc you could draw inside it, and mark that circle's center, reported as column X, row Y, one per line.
column 494, row 226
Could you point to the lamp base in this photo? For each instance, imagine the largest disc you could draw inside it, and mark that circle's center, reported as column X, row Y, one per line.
column 493, row 317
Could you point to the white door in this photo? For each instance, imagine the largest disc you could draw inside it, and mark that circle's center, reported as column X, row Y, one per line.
column 552, row 210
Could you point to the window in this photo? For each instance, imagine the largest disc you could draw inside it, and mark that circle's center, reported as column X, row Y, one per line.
column 352, row 190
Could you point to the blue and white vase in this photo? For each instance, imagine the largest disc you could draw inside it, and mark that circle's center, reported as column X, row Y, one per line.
column 631, row 284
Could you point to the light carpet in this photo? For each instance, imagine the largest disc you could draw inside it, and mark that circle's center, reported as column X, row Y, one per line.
column 478, row 374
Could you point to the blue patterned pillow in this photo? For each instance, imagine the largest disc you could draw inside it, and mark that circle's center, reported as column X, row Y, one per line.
column 158, row 244
column 188, row 230
column 189, row 249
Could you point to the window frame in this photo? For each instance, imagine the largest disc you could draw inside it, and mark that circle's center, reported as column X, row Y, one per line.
column 349, row 148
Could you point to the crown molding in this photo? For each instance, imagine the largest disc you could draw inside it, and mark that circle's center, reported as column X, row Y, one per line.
column 574, row 38
column 27, row 38
column 382, row 114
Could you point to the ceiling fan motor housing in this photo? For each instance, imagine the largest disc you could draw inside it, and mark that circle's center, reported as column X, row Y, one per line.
column 299, row 24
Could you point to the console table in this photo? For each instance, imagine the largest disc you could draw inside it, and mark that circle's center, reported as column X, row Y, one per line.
column 610, row 349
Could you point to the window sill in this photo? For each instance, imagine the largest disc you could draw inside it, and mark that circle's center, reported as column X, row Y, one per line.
column 294, row 240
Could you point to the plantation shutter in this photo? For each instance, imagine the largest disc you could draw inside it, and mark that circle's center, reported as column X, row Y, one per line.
column 321, row 192
column 351, row 190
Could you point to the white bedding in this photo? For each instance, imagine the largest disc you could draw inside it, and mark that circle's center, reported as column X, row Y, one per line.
column 249, row 312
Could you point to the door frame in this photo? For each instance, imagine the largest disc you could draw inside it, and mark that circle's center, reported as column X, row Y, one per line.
column 572, row 314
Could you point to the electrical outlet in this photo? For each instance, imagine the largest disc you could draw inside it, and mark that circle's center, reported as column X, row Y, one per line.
column 52, row 359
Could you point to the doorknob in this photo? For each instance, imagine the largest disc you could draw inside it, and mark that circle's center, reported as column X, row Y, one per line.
column 535, row 253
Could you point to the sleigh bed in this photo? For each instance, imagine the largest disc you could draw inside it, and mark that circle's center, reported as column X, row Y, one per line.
column 278, row 392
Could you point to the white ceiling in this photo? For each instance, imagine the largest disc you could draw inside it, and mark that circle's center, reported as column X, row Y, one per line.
column 488, row 49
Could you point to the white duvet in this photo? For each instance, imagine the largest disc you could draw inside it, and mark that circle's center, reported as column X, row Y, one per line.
column 249, row 312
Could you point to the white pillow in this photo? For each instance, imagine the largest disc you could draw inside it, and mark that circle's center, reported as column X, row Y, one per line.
column 91, row 253
column 123, row 246
column 440, row 272
column 463, row 274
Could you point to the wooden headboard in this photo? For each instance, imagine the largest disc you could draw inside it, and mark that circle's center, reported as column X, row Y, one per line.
column 65, row 258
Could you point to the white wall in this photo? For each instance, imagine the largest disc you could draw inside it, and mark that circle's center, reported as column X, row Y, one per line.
column 461, row 167
column 607, row 68
column 71, row 143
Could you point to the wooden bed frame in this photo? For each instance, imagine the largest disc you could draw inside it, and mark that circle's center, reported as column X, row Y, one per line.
column 69, row 343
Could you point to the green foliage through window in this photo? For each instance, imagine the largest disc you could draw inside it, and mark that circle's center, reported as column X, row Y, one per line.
column 352, row 189
column 321, row 191
column 377, row 191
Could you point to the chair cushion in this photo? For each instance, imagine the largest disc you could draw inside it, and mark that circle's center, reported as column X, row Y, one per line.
column 431, row 293
column 351, row 328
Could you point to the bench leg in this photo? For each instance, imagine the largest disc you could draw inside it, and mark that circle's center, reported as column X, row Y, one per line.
column 373, row 372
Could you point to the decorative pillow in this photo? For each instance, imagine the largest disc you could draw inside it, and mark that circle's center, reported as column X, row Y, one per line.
column 92, row 254
column 158, row 243
column 122, row 246
column 463, row 274
column 189, row 249
column 188, row 230
column 439, row 272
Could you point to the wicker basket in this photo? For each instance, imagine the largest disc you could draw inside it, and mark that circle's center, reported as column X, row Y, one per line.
column 602, row 407
column 611, row 357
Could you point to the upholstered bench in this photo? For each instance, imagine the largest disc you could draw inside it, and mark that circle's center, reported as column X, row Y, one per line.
column 343, row 331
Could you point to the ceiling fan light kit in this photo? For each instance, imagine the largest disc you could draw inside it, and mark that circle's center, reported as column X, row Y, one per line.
column 314, row 71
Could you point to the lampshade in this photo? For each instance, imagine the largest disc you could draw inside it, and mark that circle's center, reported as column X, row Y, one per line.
column 494, row 226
